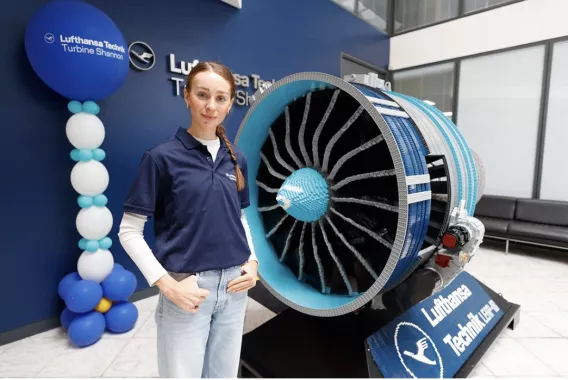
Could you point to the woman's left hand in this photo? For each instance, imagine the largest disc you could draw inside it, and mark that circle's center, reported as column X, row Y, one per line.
column 245, row 281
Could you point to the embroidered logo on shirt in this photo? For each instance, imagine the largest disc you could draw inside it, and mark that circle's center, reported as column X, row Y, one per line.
column 231, row 177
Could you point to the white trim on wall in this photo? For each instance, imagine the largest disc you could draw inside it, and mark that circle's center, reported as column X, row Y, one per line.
column 504, row 27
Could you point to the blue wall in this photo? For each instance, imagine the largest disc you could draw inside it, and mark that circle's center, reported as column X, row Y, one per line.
column 271, row 38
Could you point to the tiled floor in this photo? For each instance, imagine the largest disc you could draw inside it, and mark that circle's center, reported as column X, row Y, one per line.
column 537, row 348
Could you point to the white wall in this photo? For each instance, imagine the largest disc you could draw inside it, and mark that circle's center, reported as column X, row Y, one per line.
column 235, row 3
column 512, row 25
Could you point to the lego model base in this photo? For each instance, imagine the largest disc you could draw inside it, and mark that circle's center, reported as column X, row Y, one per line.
column 296, row 345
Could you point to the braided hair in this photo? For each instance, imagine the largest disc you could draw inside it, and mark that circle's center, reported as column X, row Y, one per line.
column 238, row 174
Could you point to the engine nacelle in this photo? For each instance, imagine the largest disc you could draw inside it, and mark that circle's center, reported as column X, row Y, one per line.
column 352, row 189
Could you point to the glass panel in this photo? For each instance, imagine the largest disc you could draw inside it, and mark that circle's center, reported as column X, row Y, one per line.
column 349, row 66
column 554, row 182
column 498, row 112
column 432, row 83
column 347, row 4
column 475, row 5
column 375, row 12
column 410, row 14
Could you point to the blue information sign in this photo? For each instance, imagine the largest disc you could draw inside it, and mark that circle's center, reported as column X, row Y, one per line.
column 435, row 337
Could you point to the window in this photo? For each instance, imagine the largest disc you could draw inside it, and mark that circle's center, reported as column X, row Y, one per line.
column 374, row 12
column 433, row 83
column 348, row 5
column 411, row 14
column 499, row 111
column 476, row 5
column 555, row 155
column 352, row 65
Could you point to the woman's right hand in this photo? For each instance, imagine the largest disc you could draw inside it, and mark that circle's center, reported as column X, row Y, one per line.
column 186, row 293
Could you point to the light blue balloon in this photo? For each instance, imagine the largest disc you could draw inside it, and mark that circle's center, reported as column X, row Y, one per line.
column 99, row 154
column 74, row 106
column 91, row 107
column 100, row 200
column 92, row 246
column 85, row 155
column 85, row 201
column 75, row 155
column 83, row 244
column 105, row 243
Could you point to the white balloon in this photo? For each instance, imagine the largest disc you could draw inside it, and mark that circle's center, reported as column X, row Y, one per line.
column 89, row 178
column 95, row 266
column 94, row 223
column 85, row 131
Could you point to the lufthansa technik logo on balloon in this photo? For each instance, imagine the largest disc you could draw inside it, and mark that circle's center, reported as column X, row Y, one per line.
column 80, row 45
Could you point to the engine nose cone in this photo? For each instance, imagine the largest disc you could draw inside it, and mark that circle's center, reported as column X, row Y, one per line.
column 304, row 195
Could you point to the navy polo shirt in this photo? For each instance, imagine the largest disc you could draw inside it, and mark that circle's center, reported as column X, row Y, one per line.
column 195, row 204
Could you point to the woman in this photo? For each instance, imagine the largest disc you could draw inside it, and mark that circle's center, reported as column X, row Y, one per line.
column 194, row 187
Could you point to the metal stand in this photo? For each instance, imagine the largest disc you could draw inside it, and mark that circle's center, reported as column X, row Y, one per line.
column 295, row 345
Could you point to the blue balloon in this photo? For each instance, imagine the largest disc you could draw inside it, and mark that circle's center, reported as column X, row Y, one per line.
column 118, row 266
column 84, row 201
column 105, row 243
column 87, row 329
column 99, row 154
column 83, row 244
column 85, row 155
column 92, row 246
column 91, row 107
column 83, row 296
column 75, row 106
column 67, row 316
column 119, row 285
column 66, row 283
column 75, row 155
column 77, row 50
column 100, row 200
column 121, row 317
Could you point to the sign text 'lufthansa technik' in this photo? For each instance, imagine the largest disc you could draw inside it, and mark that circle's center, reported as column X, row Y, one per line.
column 242, row 97
column 79, row 45
column 435, row 337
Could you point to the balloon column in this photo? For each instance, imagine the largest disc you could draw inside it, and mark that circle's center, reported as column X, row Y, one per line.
column 96, row 296
column 79, row 52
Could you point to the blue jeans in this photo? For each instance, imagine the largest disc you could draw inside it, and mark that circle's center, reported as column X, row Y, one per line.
column 206, row 343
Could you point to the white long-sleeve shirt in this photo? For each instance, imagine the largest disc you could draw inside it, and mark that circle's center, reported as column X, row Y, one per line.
column 131, row 235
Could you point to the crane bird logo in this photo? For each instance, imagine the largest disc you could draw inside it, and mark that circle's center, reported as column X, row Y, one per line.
column 421, row 346
column 421, row 365
column 141, row 56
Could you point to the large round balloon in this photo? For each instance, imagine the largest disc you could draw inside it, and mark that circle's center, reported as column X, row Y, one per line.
column 85, row 131
column 77, row 50
column 83, row 296
column 121, row 317
column 119, row 285
column 94, row 223
column 89, row 178
column 87, row 328
column 95, row 266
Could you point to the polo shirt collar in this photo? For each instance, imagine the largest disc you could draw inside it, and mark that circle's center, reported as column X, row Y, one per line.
column 191, row 142
column 187, row 139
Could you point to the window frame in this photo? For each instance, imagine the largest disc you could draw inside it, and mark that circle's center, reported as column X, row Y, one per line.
column 547, row 72
column 461, row 14
column 371, row 67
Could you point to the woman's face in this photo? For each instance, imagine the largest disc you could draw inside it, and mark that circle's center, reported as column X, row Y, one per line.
column 209, row 99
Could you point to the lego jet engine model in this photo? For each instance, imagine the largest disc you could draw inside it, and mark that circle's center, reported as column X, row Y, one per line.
column 357, row 194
